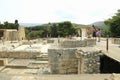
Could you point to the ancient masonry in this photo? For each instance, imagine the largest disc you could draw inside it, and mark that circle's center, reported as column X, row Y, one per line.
column 12, row 34
column 19, row 54
column 88, row 61
column 116, row 40
column 77, row 43
column 74, row 60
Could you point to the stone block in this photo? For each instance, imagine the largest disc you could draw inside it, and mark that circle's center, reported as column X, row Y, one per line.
column 115, row 40
column 62, row 59
column 50, row 41
column 19, row 54
column 3, row 62
column 90, row 42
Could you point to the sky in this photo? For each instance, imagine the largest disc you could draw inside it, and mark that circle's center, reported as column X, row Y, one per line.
column 45, row 11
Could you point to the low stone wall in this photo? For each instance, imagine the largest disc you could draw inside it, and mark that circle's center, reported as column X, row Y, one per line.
column 62, row 61
column 90, row 42
column 50, row 41
column 19, row 54
column 115, row 40
column 77, row 43
column 72, row 44
column 3, row 62
column 73, row 61
column 27, row 43
column 88, row 61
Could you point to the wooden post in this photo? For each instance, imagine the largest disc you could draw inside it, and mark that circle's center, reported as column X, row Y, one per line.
column 107, row 43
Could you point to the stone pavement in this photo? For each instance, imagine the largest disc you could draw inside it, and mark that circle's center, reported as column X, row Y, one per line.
column 34, row 47
column 7, row 45
column 60, row 77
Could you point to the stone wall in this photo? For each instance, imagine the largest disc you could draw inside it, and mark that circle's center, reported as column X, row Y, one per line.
column 21, row 33
column 90, row 42
column 73, row 61
column 77, row 43
column 88, row 61
column 19, row 54
column 50, row 41
column 14, row 34
column 10, row 34
column 62, row 61
column 72, row 44
column 115, row 40
column 3, row 62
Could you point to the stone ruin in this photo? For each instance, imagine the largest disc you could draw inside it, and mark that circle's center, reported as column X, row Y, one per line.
column 62, row 61
column 19, row 54
column 88, row 61
column 116, row 40
column 74, row 57
column 67, row 56
column 77, row 43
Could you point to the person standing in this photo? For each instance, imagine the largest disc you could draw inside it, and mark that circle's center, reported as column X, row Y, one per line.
column 98, row 34
column 94, row 32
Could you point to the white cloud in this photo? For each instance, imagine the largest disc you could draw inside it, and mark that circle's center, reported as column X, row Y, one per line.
column 43, row 11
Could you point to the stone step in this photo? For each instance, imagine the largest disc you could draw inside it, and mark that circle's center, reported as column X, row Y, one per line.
column 39, row 62
column 2, row 67
column 42, row 57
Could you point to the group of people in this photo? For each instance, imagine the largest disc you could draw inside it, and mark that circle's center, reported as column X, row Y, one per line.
column 96, row 33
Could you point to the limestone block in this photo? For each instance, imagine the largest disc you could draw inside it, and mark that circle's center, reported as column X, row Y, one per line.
column 90, row 60
column 62, row 59
column 73, row 44
column 62, row 71
column 50, row 41
column 90, row 42
column 116, row 40
column 19, row 54
column 80, row 43
column 3, row 62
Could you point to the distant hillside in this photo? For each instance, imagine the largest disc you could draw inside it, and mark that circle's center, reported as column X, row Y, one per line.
column 100, row 24
column 29, row 24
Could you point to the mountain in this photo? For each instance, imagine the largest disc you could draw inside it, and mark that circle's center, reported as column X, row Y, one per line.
column 100, row 24
column 29, row 24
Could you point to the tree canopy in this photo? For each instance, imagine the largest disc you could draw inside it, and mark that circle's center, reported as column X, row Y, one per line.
column 52, row 30
column 7, row 25
column 114, row 24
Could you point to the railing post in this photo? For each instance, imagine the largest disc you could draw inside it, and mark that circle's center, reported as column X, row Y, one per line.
column 107, row 43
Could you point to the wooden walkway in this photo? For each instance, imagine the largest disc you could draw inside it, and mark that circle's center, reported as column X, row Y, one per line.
column 113, row 49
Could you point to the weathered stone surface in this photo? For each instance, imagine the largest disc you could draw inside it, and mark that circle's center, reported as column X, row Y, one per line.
column 116, row 40
column 59, row 77
column 72, row 60
column 62, row 60
column 89, row 61
column 19, row 54
column 50, row 41
column 90, row 42
column 3, row 62
column 77, row 43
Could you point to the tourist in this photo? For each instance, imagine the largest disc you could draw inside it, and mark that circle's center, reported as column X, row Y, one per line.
column 94, row 34
column 98, row 34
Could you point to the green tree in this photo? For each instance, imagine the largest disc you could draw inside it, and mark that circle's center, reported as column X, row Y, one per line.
column 5, row 26
column 66, row 28
column 54, row 32
column 114, row 24
column 52, row 29
column 1, row 26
